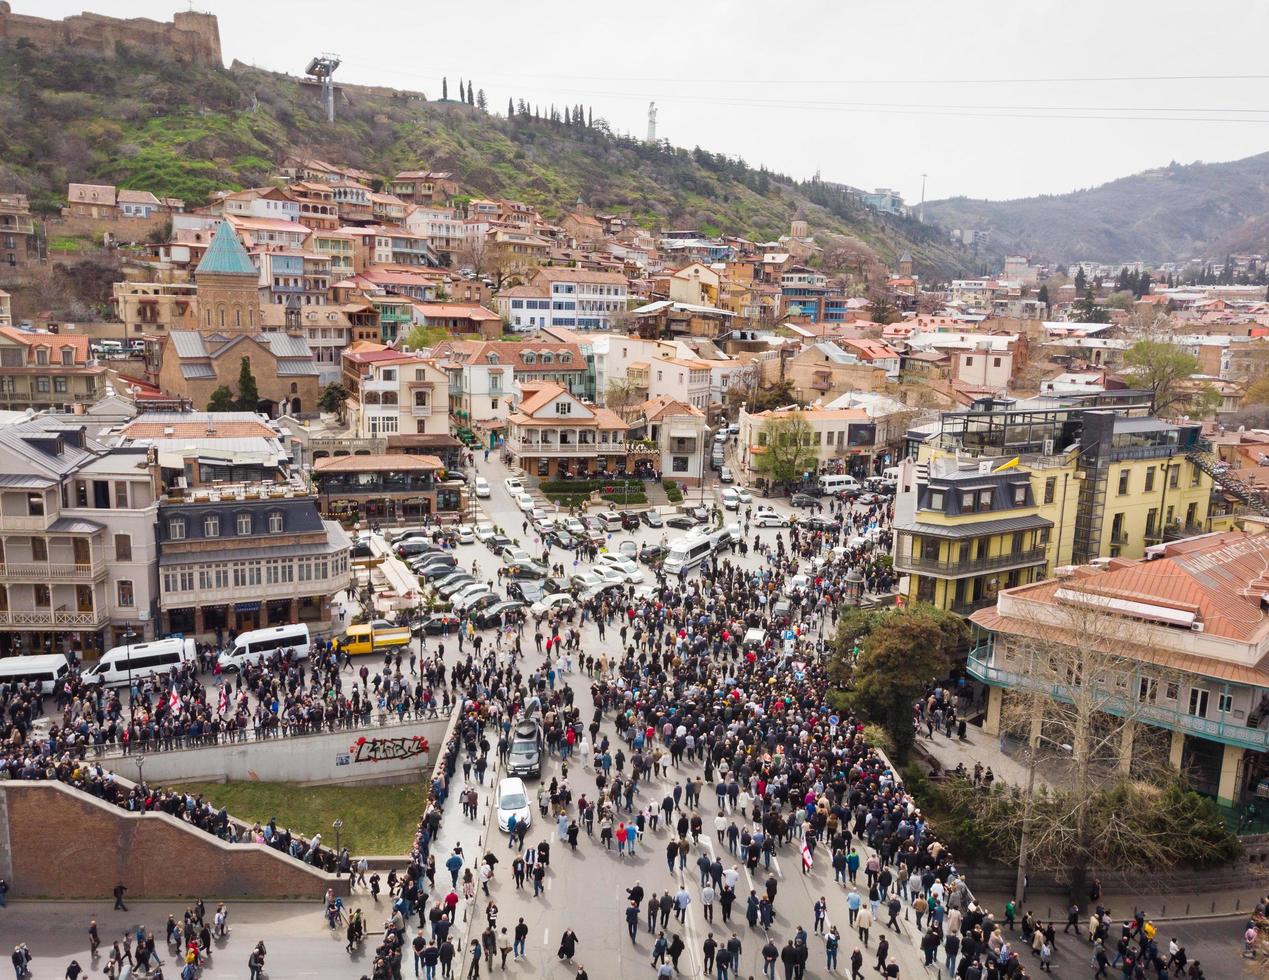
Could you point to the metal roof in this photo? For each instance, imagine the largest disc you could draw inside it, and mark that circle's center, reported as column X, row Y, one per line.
column 187, row 343
column 294, row 366
column 197, row 372
column 284, row 345
column 75, row 525
column 976, row 529
column 251, row 554
column 225, row 256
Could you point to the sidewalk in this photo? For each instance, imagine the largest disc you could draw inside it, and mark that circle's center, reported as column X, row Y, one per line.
column 980, row 748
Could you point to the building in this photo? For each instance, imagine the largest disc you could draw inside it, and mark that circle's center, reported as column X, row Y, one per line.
column 155, row 307
column 846, row 440
column 433, row 188
column 77, row 554
column 1073, row 485
column 461, row 318
column 6, row 309
column 41, row 370
column 1190, row 635
column 581, row 298
column 669, row 436
column 236, row 557
column 19, row 243
column 196, row 364
column 886, row 201
column 227, row 285
column 385, row 489
column 483, row 374
column 827, row 369
column 398, row 395
column 553, row 434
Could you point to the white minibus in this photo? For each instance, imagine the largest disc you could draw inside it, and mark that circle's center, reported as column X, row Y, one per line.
column 45, row 670
column 135, row 661
column 832, row 483
column 254, row 646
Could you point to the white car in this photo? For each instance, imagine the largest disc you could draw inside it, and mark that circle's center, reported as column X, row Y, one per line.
column 484, row 532
column 585, row 582
column 622, row 565
column 513, row 801
column 609, row 575
column 554, row 601
column 482, row 487
column 769, row 518
column 745, row 496
column 797, row 583
column 513, row 484
column 461, row 599
column 574, row 527
column 731, row 499
column 537, row 515
column 526, row 503
column 515, row 556
column 466, row 534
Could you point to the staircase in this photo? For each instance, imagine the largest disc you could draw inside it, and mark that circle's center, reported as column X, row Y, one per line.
column 1255, row 498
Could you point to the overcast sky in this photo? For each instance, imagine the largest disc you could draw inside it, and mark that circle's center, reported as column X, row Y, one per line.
column 868, row 92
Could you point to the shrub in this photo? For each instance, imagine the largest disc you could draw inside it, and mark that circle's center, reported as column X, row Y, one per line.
column 672, row 491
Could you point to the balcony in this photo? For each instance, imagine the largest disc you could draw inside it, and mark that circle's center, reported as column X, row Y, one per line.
column 981, row 666
column 421, row 411
column 972, row 605
column 56, row 618
column 39, row 571
column 243, row 593
column 971, row 566
column 12, row 522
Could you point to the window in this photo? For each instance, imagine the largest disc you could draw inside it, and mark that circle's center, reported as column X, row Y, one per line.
column 1198, row 702
column 1147, row 688
column 563, row 408
column 1191, row 514
column 1050, row 488
column 995, row 362
column 39, row 549
column 493, row 404
column 421, row 399
column 176, row 529
column 1020, row 495
column 1123, row 482
column 41, row 384
column 126, row 596
column 43, row 598
column 1224, row 703
column 936, row 500
column 1174, row 474
column 1171, row 690
column 123, row 547
column 275, row 522
column 59, row 384
column 211, row 526
column 1149, row 478
column 969, row 361
column 1117, row 528
column 244, row 524
column 678, row 464
column 121, row 494
column 35, row 504
column 41, row 355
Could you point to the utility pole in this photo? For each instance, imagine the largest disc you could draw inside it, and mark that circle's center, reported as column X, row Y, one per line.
column 921, row 212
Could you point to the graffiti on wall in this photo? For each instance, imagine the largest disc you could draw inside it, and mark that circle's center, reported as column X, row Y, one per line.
column 387, row 749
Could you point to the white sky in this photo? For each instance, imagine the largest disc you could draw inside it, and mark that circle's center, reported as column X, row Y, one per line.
column 868, row 92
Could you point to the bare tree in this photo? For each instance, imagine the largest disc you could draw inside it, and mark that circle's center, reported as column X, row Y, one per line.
column 621, row 394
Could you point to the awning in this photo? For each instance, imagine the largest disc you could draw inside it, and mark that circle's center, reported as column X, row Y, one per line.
column 976, row 529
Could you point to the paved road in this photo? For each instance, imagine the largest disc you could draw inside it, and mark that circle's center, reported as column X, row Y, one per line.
column 585, row 890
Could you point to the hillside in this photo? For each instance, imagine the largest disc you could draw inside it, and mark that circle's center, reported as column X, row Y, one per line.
column 1173, row 213
column 184, row 131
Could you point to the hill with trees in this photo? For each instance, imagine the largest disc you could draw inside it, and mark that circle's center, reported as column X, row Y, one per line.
column 1170, row 214
column 186, row 131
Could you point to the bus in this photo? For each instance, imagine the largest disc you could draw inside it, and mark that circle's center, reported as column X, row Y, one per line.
column 255, row 646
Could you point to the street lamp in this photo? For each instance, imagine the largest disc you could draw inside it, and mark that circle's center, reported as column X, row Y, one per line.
column 140, row 761
column 854, row 591
column 128, row 637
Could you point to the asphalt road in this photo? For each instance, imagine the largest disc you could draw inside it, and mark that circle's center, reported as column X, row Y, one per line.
column 585, row 890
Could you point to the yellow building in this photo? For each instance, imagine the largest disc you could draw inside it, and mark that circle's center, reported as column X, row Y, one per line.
column 972, row 519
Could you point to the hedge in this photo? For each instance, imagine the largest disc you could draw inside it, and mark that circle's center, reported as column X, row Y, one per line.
column 672, row 491
column 631, row 497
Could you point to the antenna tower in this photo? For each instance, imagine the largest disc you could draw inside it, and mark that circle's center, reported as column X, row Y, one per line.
column 322, row 68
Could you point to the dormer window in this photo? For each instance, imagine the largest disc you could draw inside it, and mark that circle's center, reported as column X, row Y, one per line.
column 211, row 526
column 492, row 358
column 68, row 356
column 566, row 357
column 529, row 357
column 41, row 355
column 244, row 524
column 547, row 357
column 275, row 522
column 176, row 529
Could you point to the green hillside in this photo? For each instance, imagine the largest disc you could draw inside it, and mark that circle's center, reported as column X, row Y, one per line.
column 1173, row 213
column 184, row 132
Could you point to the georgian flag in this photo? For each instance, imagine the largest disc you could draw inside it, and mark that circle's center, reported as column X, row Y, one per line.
column 174, row 704
column 807, row 858
column 224, row 701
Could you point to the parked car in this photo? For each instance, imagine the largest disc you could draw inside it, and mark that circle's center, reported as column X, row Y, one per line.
column 482, row 487
column 803, row 500
column 555, row 601
column 452, row 586
column 525, row 570
column 560, row 538
column 629, row 520
column 437, row 624
column 653, row 554
column 746, row 497
column 819, row 524
column 652, row 518
column 482, row 601
column 629, row 548
column 484, row 532
column 580, row 582
column 526, row 503
column 527, row 590
column 682, row 521
column 620, row 565
column 573, row 526
column 513, row 484
column 725, row 475
column 465, row 534
column 731, row 499
column 498, row 542
column 525, row 756
column 492, row 615
column 769, row 518
column 512, row 554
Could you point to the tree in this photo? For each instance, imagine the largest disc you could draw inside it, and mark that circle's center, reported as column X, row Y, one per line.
column 471, row 99
column 444, row 87
column 620, row 394
column 788, row 449
column 901, row 652
column 248, row 393
column 1163, row 368
column 222, row 400
column 481, row 102
column 1082, row 693
column 1043, row 296
column 1086, row 309
column 423, row 337
column 1081, row 281
column 1257, row 392
column 511, row 108
column 333, row 398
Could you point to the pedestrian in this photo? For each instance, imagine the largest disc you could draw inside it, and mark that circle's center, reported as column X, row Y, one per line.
column 118, row 893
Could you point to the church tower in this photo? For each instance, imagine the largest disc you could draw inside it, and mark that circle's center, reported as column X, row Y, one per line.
column 228, row 286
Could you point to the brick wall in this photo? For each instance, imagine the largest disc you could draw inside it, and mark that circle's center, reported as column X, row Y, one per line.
column 59, row 842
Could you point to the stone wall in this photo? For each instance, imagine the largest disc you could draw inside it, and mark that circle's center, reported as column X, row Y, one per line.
column 59, row 842
column 190, row 37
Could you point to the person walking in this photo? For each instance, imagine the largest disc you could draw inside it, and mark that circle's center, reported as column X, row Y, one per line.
column 632, row 920
column 831, row 942
column 118, row 893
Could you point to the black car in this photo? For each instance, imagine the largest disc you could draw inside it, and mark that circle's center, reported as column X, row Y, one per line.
column 525, row 758
column 498, row 542
column 819, row 524
column 361, row 549
column 482, row 602
column 525, row 570
column 559, row 538
column 438, row 624
column 454, row 586
column 803, row 500
column 434, row 573
column 653, row 554
column 527, row 591
column 491, row 615
column 629, row 520
column 682, row 521
column 652, row 518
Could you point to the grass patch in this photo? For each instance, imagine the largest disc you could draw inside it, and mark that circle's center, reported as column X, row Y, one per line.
column 377, row 819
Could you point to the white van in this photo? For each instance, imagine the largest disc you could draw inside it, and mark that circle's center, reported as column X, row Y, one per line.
column 118, row 665
column 609, row 520
column 254, row 646
column 836, row 482
column 686, row 553
column 46, row 670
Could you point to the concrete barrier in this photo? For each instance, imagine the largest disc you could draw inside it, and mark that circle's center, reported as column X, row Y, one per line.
column 60, row 842
column 399, row 753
